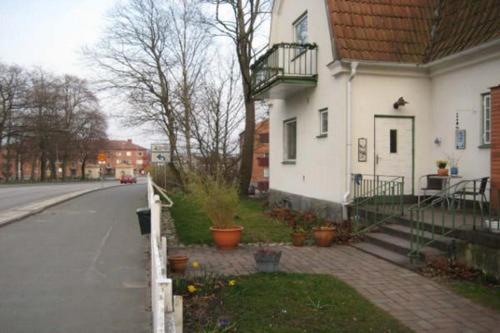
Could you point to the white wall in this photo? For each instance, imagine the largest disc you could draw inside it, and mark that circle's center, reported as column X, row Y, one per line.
column 375, row 95
column 320, row 167
column 459, row 91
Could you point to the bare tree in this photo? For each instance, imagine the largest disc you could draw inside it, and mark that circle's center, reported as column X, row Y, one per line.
column 240, row 23
column 216, row 123
column 135, row 57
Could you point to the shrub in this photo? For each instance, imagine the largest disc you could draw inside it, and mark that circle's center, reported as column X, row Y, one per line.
column 217, row 198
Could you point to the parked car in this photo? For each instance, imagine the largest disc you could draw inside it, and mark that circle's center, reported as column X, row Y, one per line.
column 128, row 179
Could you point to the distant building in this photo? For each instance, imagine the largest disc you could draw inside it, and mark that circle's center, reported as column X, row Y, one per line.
column 124, row 157
column 260, row 168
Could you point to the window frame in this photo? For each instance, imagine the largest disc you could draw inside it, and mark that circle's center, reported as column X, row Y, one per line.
column 286, row 152
column 485, row 120
column 322, row 132
column 295, row 24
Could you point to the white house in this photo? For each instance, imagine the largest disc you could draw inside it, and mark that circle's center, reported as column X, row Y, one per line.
column 335, row 70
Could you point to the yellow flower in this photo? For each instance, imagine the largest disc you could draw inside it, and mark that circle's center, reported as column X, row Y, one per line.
column 191, row 288
column 195, row 264
column 232, row 282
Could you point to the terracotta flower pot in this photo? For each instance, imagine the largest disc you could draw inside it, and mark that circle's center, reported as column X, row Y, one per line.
column 226, row 239
column 443, row 172
column 298, row 238
column 178, row 263
column 324, row 236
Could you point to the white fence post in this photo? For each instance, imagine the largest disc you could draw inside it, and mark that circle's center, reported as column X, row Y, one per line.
column 162, row 300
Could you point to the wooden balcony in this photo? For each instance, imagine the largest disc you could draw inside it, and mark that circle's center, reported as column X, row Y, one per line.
column 284, row 70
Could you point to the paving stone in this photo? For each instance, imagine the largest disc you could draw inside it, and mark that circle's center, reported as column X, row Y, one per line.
column 418, row 302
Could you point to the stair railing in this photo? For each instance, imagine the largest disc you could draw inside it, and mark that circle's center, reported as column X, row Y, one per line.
column 448, row 212
column 376, row 199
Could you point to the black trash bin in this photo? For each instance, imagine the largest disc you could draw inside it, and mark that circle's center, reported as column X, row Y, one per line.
column 144, row 215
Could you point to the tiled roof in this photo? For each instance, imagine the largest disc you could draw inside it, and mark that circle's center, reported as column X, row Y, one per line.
column 122, row 145
column 411, row 31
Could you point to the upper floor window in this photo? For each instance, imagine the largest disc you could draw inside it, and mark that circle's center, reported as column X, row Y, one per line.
column 486, row 119
column 290, row 140
column 300, row 30
column 264, row 137
column 129, row 153
column 323, row 121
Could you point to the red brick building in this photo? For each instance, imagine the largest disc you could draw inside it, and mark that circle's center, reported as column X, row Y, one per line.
column 124, row 156
column 260, row 168
column 495, row 144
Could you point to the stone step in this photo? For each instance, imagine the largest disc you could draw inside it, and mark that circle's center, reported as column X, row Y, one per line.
column 440, row 242
column 399, row 245
column 384, row 254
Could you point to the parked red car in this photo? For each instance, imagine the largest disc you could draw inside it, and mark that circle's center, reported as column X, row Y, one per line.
column 127, row 179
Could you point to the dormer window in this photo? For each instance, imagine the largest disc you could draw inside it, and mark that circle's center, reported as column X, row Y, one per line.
column 300, row 30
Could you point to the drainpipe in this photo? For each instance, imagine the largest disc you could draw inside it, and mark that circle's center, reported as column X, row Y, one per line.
column 348, row 163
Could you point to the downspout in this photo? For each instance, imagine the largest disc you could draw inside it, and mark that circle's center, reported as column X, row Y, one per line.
column 348, row 163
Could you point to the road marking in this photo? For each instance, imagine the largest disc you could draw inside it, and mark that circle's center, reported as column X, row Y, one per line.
column 92, row 267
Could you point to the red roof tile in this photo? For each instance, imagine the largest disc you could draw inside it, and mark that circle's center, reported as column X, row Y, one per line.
column 122, row 145
column 411, row 31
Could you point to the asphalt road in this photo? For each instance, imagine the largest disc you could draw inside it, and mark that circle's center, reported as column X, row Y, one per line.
column 76, row 267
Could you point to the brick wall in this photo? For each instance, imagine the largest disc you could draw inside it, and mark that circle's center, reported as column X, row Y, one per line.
column 495, row 146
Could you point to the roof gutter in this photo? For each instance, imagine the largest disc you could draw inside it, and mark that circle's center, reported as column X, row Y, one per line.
column 348, row 163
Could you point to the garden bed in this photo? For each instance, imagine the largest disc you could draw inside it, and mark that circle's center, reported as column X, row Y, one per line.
column 279, row 303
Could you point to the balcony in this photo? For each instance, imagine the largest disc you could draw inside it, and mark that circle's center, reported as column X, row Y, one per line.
column 284, row 70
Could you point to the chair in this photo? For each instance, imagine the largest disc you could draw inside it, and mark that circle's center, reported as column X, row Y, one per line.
column 434, row 183
column 474, row 192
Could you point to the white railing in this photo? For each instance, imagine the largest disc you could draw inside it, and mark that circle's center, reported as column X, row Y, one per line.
column 166, row 308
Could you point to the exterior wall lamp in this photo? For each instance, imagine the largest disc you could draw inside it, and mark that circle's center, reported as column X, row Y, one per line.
column 400, row 102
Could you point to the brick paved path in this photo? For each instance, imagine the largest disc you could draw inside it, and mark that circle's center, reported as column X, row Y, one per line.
column 418, row 302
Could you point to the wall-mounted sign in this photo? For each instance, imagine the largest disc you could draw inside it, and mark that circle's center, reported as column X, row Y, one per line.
column 460, row 139
column 362, row 149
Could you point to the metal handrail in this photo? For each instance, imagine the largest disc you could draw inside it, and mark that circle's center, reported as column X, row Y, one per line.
column 428, row 207
column 391, row 187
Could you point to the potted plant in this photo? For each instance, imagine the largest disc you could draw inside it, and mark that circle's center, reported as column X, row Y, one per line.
column 178, row 263
column 267, row 260
column 441, row 164
column 219, row 200
column 324, row 234
column 300, row 224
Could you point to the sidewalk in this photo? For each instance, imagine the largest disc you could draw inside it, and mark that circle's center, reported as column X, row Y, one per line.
column 418, row 302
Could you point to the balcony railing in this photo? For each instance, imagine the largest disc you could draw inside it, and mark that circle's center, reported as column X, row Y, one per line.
column 294, row 65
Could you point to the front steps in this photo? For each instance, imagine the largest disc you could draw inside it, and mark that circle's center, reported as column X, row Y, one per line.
column 391, row 242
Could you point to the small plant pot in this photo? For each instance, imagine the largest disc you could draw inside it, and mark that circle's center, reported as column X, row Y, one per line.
column 178, row 263
column 226, row 239
column 324, row 236
column 298, row 238
column 267, row 262
column 443, row 172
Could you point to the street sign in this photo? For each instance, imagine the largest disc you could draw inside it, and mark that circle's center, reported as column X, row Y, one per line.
column 101, row 157
column 160, row 153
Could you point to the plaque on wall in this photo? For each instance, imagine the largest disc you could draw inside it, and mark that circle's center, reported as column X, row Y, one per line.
column 460, row 139
column 362, row 149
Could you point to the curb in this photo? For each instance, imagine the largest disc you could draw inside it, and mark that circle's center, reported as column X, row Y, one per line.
column 22, row 214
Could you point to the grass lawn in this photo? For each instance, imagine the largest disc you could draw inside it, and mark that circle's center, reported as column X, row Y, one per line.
column 484, row 295
column 287, row 303
column 193, row 225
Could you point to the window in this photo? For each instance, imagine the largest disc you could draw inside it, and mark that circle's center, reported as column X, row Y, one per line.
column 393, row 141
column 129, row 153
column 266, row 173
column 300, row 30
column 486, row 126
column 139, row 153
column 264, row 138
column 118, row 154
column 118, row 161
column 323, row 121
column 290, row 140
column 139, row 162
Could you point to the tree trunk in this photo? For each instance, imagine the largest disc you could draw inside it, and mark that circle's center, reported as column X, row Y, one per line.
column 82, row 170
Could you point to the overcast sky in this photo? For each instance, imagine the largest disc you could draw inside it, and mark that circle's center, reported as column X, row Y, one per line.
column 51, row 34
